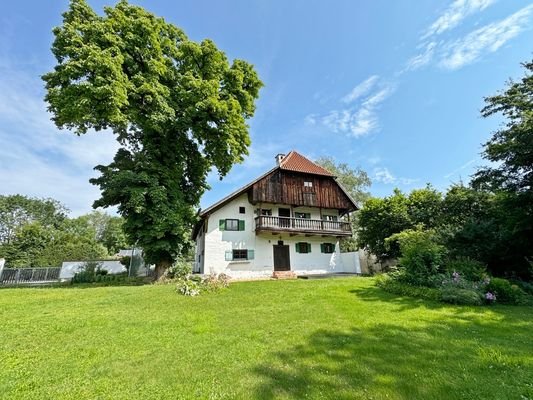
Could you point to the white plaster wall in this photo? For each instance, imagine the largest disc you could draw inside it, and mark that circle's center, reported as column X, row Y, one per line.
column 217, row 241
column 199, row 252
column 351, row 262
column 69, row 268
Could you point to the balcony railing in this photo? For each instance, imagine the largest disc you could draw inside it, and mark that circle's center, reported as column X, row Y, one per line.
column 304, row 225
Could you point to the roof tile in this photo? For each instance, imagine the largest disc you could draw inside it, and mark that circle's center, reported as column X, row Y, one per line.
column 294, row 161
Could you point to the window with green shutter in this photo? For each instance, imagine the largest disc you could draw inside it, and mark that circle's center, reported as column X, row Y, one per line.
column 239, row 255
column 327, row 248
column 231, row 225
column 303, row 247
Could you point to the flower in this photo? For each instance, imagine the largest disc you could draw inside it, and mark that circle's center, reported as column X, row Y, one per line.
column 490, row 296
column 455, row 276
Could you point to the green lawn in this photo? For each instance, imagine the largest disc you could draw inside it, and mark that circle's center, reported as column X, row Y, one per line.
column 331, row 338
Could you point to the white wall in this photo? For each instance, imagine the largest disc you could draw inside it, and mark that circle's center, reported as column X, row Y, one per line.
column 217, row 242
column 69, row 268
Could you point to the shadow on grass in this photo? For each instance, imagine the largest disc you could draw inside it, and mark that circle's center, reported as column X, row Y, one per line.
column 436, row 361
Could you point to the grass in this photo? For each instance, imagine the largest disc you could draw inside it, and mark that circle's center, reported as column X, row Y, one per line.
column 322, row 339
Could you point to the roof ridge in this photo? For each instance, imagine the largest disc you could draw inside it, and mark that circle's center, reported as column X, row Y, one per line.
column 294, row 161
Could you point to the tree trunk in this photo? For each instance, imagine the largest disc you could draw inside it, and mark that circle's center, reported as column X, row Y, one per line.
column 160, row 268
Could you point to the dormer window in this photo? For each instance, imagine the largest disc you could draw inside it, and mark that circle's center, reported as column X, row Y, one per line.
column 308, row 184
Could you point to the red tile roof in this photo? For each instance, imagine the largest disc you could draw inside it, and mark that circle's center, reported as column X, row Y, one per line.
column 296, row 162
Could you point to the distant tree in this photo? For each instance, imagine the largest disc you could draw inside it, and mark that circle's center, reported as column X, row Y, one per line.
column 177, row 107
column 354, row 180
column 18, row 210
column 108, row 230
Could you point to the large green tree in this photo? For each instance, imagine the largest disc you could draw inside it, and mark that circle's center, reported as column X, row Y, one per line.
column 18, row 210
column 510, row 174
column 177, row 107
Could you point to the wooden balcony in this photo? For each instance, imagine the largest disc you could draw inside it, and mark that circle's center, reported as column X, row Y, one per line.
column 267, row 223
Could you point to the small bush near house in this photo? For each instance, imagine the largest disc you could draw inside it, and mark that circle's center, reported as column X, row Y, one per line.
column 461, row 296
column 506, row 292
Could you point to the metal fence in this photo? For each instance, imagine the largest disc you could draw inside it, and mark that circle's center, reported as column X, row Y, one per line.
column 15, row 276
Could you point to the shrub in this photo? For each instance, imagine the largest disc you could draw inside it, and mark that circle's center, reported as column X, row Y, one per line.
column 469, row 268
column 179, row 269
column 461, row 296
column 394, row 286
column 421, row 255
column 216, row 282
column 188, row 287
column 506, row 292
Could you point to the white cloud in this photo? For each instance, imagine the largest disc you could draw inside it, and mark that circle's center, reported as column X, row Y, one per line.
column 486, row 39
column 360, row 90
column 454, row 14
column 36, row 158
column 421, row 59
column 362, row 119
column 383, row 175
column 310, row 119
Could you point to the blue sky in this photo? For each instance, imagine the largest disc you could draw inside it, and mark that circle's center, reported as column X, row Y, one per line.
column 394, row 87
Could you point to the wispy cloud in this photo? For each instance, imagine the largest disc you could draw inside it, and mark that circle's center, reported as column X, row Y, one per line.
column 486, row 39
column 421, row 59
column 361, row 119
column 454, row 14
column 36, row 158
column 455, row 53
column 462, row 167
column 360, row 90
column 383, row 175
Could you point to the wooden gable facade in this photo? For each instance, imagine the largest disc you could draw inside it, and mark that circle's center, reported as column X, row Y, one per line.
column 294, row 188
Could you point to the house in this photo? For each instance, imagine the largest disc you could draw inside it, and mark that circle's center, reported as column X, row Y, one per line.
column 288, row 220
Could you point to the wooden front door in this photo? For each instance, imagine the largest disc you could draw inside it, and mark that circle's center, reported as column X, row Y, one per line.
column 282, row 259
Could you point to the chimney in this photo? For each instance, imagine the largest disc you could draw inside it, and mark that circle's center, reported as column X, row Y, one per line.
column 279, row 158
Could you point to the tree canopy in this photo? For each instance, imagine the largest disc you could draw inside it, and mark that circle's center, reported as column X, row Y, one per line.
column 354, row 180
column 178, row 109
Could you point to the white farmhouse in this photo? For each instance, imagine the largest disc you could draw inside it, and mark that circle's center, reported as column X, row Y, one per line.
column 286, row 222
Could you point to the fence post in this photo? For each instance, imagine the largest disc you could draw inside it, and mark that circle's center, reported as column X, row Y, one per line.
column 46, row 274
column 17, row 276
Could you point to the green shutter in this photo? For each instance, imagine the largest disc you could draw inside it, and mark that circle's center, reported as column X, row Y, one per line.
column 250, row 255
column 241, row 225
column 309, row 247
column 221, row 224
column 297, row 247
column 229, row 255
column 322, row 247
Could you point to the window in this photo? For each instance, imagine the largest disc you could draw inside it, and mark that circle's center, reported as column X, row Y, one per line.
column 266, row 212
column 239, row 255
column 332, row 218
column 242, row 210
column 327, row 248
column 302, row 247
column 231, row 224
column 308, row 184
column 302, row 215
